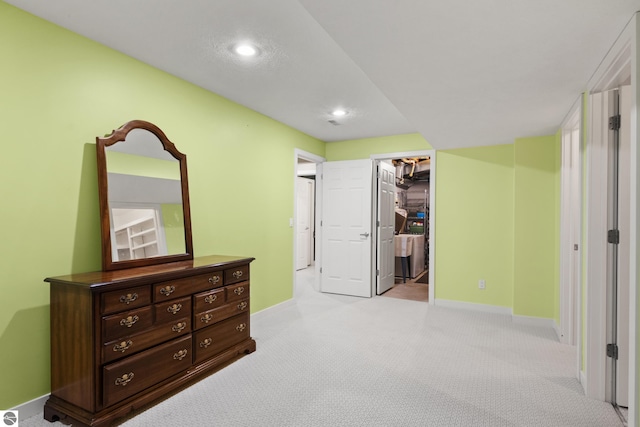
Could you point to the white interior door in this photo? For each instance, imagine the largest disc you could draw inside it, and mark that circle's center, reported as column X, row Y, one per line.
column 386, row 227
column 346, row 227
column 303, row 229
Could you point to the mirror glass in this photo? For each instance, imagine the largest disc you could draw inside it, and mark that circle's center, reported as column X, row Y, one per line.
column 144, row 198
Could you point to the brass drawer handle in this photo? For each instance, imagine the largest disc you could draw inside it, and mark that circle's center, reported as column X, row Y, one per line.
column 123, row 346
column 174, row 308
column 242, row 305
column 241, row 327
column 167, row 290
column 129, row 298
column 206, row 318
column 206, row 343
column 125, row 379
column 178, row 327
column 210, row 298
column 214, row 280
column 238, row 291
column 237, row 274
column 180, row 355
column 129, row 321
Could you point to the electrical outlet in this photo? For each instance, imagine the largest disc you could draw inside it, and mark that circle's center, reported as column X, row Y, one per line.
column 481, row 284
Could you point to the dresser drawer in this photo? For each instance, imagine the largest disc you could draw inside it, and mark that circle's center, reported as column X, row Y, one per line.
column 127, row 346
column 127, row 323
column 209, row 317
column 133, row 374
column 212, row 340
column 181, row 287
column 237, row 292
column 237, row 274
column 207, row 300
column 169, row 311
column 115, row 301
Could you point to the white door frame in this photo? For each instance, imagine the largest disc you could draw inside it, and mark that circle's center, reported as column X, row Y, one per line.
column 620, row 65
column 304, row 256
column 432, row 197
column 570, row 328
column 301, row 154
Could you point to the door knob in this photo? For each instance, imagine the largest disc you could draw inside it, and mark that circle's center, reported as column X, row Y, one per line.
column 365, row 235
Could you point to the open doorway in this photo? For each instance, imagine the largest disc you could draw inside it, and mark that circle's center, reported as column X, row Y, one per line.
column 413, row 202
column 355, row 245
column 303, row 222
column 411, row 242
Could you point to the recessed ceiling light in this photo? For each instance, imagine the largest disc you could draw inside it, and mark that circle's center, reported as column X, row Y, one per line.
column 246, row 50
column 339, row 112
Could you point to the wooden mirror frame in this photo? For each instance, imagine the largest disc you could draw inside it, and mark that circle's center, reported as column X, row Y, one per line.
column 120, row 135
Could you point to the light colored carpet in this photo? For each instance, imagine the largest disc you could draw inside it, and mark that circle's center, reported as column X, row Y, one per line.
column 329, row 360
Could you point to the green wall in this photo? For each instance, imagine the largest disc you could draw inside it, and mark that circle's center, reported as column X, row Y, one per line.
column 365, row 147
column 474, row 225
column 59, row 91
column 536, row 231
column 173, row 222
column 131, row 164
column 497, row 219
column 557, row 184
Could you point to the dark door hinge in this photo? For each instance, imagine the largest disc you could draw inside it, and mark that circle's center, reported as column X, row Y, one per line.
column 614, row 122
column 613, row 236
column 612, row 351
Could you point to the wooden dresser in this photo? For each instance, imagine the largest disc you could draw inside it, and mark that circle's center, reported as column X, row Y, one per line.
column 121, row 340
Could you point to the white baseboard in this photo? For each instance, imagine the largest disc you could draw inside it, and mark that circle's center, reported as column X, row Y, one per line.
column 31, row 408
column 534, row 321
column 272, row 309
column 583, row 381
column 495, row 309
column 556, row 328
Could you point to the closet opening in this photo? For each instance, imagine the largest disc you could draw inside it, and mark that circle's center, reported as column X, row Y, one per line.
column 411, row 243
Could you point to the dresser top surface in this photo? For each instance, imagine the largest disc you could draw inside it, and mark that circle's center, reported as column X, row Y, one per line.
column 160, row 272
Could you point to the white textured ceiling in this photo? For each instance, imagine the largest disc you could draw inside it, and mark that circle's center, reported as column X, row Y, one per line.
column 460, row 72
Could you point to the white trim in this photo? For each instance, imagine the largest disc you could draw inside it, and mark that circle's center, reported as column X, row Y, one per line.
column 535, row 321
column 620, row 64
column 272, row 309
column 596, row 252
column 571, row 293
column 485, row 308
column 556, row 328
column 432, row 211
column 569, row 327
column 543, row 322
column 634, row 190
column 31, row 408
column 301, row 154
column 583, row 381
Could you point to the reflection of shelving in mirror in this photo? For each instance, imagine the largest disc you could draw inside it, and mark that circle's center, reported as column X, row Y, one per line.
column 137, row 234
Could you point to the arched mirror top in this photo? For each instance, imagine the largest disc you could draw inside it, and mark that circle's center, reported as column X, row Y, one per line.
column 144, row 198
